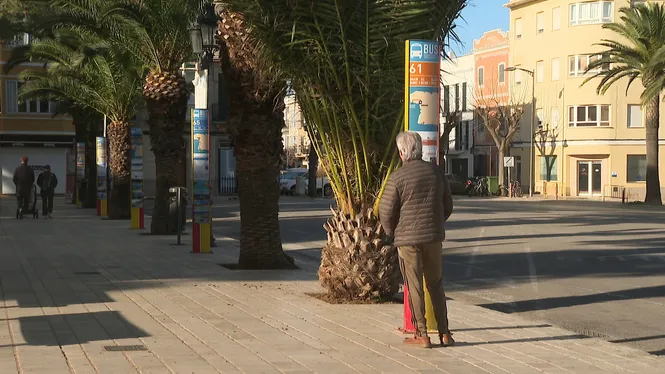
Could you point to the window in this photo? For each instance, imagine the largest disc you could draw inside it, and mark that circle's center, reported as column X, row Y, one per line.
column 539, row 118
column 480, row 125
column 636, row 168
column 540, row 23
column 502, row 73
column 590, row 13
column 589, row 115
column 464, row 93
column 635, row 116
column 556, row 69
column 578, row 64
column 457, row 100
column 548, row 166
column 518, row 28
column 555, row 116
column 446, row 99
column 556, row 19
column 19, row 40
column 481, row 76
column 540, row 71
column 27, row 106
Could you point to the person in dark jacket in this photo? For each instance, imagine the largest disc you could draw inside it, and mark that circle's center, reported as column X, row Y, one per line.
column 24, row 178
column 413, row 209
column 47, row 182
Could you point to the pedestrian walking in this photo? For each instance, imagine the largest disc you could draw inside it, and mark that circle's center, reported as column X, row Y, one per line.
column 47, row 182
column 413, row 209
column 24, row 178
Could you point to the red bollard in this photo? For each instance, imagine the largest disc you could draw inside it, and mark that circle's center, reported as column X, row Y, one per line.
column 409, row 328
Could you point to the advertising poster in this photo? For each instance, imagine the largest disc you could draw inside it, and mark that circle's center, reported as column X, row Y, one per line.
column 200, row 166
column 80, row 161
column 137, row 167
column 422, row 94
column 101, row 168
column 71, row 177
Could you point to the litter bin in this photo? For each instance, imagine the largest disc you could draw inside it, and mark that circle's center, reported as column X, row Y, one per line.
column 176, row 207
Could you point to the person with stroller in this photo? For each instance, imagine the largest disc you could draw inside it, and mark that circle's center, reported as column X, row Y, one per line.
column 24, row 178
column 47, row 182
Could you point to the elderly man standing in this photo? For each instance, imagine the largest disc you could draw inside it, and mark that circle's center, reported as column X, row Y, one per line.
column 414, row 207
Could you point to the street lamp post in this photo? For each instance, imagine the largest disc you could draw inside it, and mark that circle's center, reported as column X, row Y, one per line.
column 533, row 116
column 202, row 33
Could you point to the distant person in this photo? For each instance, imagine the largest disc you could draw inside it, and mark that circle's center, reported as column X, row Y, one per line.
column 24, row 178
column 47, row 182
column 413, row 209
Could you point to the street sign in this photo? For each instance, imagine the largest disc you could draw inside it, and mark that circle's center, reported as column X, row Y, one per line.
column 509, row 162
column 422, row 94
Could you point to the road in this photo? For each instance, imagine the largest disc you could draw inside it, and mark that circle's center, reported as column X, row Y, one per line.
column 597, row 269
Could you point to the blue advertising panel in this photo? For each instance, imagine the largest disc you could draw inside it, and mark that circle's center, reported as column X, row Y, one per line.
column 200, row 166
column 137, row 167
column 101, row 168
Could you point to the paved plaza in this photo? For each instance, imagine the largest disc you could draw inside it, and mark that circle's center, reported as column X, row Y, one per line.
column 85, row 295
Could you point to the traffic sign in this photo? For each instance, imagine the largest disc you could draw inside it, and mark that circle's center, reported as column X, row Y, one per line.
column 509, row 162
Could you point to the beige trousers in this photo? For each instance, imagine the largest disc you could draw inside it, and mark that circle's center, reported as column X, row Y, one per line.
column 416, row 262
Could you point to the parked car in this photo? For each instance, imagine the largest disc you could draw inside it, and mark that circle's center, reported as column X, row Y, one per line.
column 287, row 182
column 457, row 184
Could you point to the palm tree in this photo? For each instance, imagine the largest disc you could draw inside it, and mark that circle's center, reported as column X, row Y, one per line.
column 346, row 63
column 155, row 33
column 255, row 119
column 90, row 73
column 638, row 52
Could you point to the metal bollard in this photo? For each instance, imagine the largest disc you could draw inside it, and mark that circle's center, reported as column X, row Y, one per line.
column 177, row 192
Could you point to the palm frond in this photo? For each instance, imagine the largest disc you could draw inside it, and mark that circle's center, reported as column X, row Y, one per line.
column 346, row 62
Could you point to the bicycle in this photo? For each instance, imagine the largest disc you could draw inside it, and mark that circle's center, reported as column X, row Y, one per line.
column 515, row 189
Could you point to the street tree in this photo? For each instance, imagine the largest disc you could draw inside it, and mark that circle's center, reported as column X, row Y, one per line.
column 637, row 52
column 500, row 113
column 346, row 62
column 256, row 120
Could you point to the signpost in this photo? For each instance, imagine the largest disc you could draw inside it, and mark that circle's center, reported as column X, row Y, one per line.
column 137, row 178
column 80, row 171
column 422, row 98
column 102, row 194
column 200, row 135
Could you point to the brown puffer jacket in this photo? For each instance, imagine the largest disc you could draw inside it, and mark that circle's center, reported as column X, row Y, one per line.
column 416, row 203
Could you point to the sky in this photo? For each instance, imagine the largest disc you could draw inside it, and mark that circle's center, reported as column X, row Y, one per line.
column 480, row 16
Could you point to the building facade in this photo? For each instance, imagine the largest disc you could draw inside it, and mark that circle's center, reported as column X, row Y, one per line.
column 491, row 56
column 457, row 80
column 29, row 128
column 584, row 144
column 295, row 137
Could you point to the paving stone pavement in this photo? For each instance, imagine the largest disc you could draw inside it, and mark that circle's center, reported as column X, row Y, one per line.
column 76, row 284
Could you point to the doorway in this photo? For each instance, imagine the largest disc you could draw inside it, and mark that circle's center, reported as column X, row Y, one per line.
column 589, row 178
column 460, row 167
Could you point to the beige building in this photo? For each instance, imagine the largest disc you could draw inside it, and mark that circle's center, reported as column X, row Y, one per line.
column 295, row 138
column 585, row 144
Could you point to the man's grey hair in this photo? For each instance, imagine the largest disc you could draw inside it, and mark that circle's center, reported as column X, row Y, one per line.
column 410, row 144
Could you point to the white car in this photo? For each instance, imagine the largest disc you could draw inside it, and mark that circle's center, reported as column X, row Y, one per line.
column 287, row 182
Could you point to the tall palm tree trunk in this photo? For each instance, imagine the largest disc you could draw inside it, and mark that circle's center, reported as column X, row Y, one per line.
column 119, row 135
column 258, row 149
column 166, row 100
column 653, row 178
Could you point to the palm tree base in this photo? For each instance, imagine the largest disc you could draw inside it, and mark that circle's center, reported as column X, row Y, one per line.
column 358, row 262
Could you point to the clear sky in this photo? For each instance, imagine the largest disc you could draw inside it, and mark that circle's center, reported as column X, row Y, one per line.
column 480, row 16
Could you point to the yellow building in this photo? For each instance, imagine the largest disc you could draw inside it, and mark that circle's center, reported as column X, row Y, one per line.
column 585, row 144
column 29, row 128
